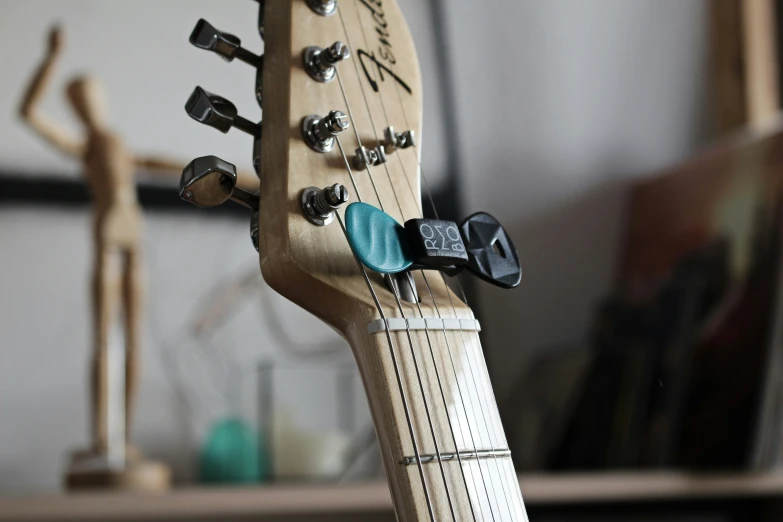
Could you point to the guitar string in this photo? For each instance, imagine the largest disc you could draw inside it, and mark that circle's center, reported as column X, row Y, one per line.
column 367, row 105
column 358, row 139
column 402, row 312
column 451, row 301
column 395, row 364
column 493, row 443
column 461, row 397
column 412, row 284
column 378, row 305
column 456, row 315
column 424, row 399
column 445, row 404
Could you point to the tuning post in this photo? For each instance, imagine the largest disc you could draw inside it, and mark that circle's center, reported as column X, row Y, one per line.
column 319, row 205
column 320, row 63
column 218, row 112
column 369, row 157
column 393, row 140
column 227, row 46
column 323, row 7
column 319, row 133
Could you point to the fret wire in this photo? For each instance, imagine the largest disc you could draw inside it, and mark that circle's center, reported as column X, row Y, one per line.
column 396, row 372
column 467, row 455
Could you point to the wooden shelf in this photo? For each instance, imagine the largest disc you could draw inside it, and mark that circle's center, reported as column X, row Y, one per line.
column 268, row 502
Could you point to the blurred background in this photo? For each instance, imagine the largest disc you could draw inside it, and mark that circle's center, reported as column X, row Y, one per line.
column 630, row 147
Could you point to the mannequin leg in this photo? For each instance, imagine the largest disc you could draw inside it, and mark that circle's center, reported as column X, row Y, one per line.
column 133, row 296
column 105, row 297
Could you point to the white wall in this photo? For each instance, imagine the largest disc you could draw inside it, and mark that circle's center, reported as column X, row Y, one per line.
column 558, row 103
column 561, row 104
column 140, row 51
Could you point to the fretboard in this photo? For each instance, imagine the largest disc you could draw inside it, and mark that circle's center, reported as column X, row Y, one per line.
column 443, row 444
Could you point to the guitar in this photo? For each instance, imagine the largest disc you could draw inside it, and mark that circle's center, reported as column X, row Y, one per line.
column 336, row 82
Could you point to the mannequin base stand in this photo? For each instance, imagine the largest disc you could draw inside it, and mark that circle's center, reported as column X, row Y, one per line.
column 91, row 472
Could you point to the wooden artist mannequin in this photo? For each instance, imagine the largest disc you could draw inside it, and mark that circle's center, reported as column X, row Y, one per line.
column 117, row 281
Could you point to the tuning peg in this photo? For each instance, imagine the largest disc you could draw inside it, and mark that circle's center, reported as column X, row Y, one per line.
column 319, row 206
column 227, row 46
column 491, row 254
column 320, row 63
column 216, row 111
column 323, row 7
column 319, row 133
column 209, row 181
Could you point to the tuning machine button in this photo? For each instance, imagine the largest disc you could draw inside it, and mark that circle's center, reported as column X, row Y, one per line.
column 227, row 46
column 319, row 133
column 323, row 7
column 216, row 111
column 320, row 63
column 209, row 181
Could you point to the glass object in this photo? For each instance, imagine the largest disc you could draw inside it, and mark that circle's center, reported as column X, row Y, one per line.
column 315, row 422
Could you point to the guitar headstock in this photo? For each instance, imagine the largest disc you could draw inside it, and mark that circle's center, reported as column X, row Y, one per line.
column 340, row 89
column 341, row 94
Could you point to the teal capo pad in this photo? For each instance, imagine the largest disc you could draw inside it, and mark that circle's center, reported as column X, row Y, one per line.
column 379, row 242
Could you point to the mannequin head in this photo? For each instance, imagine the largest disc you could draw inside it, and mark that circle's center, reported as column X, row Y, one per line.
column 88, row 100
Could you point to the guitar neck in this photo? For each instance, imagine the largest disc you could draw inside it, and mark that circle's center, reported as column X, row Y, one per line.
column 435, row 414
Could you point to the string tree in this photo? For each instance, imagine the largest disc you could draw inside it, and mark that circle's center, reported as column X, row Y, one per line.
column 369, row 157
column 394, row 140
column 321, row 64
column 320, row 132
column 218, row 112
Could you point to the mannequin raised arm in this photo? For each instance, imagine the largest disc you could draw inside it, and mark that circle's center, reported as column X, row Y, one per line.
column 48, row 129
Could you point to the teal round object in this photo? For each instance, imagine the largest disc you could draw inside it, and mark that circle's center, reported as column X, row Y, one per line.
column 377, row 239
column 233, row 454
